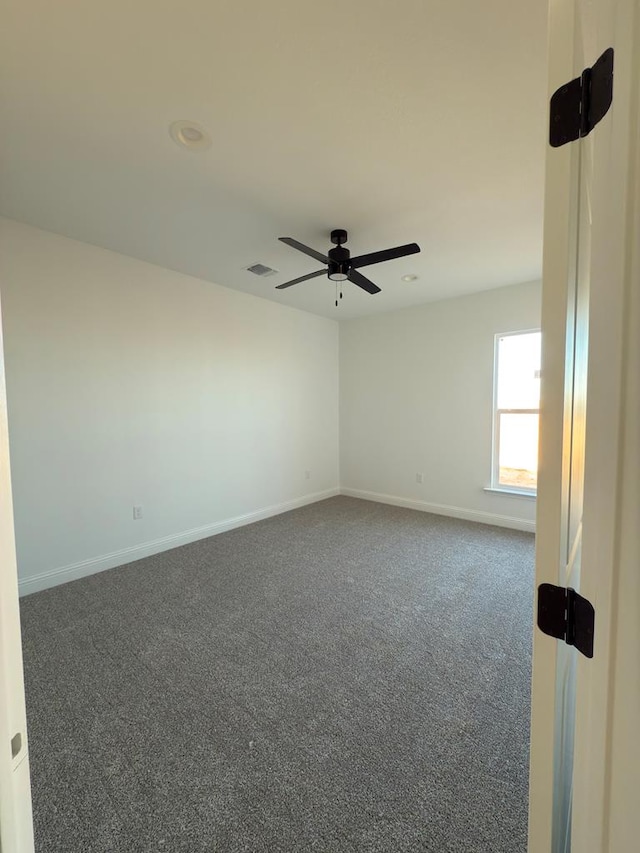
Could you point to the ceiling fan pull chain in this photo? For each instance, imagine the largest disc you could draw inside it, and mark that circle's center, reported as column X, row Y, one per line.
column 336, row 294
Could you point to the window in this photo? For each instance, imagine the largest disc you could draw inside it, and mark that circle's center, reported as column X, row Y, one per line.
column 516, row 412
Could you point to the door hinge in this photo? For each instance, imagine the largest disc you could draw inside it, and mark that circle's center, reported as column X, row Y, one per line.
column 566, row 615
column 578, row 106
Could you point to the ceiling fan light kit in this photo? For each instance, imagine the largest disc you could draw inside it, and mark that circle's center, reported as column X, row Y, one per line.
column 341, row 266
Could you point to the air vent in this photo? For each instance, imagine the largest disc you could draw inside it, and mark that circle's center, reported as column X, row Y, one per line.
column 261, row 269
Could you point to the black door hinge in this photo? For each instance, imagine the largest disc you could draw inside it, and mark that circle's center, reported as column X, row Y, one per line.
column 565, row 614
column 578, row 106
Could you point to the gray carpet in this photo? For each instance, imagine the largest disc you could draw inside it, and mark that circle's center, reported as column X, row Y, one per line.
column 345, row 677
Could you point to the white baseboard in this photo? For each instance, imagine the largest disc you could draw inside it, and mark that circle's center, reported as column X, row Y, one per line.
column 443, row 509
column 53, row 577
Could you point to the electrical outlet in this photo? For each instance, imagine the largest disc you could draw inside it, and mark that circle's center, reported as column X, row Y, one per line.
column 307, row 475
column 137, row 512
column 419, row 478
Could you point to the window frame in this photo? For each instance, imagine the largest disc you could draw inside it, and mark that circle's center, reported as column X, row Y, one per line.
column 496, row 486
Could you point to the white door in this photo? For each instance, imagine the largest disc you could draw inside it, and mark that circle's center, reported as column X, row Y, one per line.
column 16, row 832
column 586, row 241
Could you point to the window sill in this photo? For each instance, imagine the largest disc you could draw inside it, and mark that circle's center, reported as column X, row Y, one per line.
column 510, row 492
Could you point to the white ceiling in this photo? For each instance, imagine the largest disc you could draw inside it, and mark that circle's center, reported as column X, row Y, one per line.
column 399, row 120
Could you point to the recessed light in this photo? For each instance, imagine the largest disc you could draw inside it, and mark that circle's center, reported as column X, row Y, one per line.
column 189, row 134
column 409, row 277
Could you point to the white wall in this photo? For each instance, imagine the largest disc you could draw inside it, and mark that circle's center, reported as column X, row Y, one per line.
column 416, row 395
column 131, row 384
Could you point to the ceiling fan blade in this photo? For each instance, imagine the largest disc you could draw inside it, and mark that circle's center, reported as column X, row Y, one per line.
column 298, row 280
column 361, row 281
column 385, row 255
column 306, row 249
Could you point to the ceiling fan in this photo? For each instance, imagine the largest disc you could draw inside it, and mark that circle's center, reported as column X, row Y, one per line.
column 341, row 266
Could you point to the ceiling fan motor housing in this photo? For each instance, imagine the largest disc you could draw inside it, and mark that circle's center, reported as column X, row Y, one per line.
column 338, row 263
